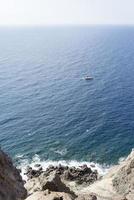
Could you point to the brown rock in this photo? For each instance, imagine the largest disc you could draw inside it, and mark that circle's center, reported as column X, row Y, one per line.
column 52, row 182
column 31, row 173
column 123, row 180
column 11, row 184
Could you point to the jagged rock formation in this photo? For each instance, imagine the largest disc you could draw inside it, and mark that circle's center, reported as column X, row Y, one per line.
column 52, row 183
column 81, row 175
column 11, row 184
column 56, row 180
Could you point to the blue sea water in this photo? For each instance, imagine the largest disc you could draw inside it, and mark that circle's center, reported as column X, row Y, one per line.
column 46, row 106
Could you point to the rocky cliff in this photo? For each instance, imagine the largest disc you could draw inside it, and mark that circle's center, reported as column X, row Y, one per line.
column 117, row 184
column 11, row 184
column 64, row 183
column 123, row 180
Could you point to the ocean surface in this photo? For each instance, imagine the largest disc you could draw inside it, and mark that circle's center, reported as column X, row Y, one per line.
column 48, row 111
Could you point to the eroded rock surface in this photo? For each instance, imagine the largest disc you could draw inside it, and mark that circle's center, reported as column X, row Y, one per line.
column 123, row 180
column 117, row 184
column 11, row 184
column 43, row 195
column 51, row 182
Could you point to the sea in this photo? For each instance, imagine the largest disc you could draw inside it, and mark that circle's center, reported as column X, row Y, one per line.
column 49, row 113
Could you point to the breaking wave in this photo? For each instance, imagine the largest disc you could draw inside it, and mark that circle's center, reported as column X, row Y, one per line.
column 23, row 163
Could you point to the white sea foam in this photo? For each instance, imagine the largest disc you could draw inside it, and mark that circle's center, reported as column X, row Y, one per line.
column 61, row 152
column 102, row 169
column 121, row 160
column 19, row 156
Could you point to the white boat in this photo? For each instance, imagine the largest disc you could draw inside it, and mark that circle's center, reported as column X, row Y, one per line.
column 87, row 78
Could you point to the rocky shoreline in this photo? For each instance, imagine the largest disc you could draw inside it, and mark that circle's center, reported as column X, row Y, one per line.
column 66, row 183
column 59, row 179
column 81, row 175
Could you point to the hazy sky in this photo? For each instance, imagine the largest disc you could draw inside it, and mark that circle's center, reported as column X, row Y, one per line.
column 47, row 12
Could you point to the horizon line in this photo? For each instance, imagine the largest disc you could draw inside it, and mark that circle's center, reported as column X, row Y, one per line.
column 60, row 25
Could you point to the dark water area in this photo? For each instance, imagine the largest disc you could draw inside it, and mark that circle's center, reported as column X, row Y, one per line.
column 48, row 109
